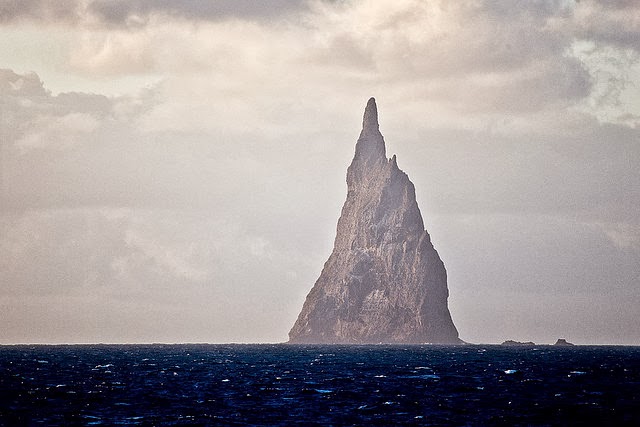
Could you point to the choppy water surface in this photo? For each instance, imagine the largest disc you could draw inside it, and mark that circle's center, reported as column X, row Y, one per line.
column 321, row 385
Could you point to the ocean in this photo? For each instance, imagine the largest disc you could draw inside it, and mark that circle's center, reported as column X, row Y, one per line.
column 283, row 385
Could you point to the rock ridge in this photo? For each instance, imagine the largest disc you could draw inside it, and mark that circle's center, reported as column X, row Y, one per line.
column 384, row 282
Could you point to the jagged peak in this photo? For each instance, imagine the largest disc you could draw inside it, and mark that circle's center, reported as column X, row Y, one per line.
column 370, row 119
column 370, row 144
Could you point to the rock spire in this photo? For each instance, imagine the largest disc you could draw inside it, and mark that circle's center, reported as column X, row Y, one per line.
column 384, row 281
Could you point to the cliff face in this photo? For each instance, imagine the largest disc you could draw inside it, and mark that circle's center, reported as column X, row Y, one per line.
column 384, row 281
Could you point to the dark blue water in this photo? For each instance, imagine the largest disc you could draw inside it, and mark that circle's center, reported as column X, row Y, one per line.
column 318, row 385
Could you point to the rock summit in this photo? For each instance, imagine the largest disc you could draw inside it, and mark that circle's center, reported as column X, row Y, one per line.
column 384, row 282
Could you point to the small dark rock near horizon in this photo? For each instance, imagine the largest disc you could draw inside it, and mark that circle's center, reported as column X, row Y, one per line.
column 384, row 282
column 518, row 343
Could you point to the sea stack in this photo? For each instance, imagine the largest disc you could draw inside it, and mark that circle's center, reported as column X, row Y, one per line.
column 563, row 343
column 384, row 282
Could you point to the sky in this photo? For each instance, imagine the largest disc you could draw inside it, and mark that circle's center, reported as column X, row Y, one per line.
column 174, row 171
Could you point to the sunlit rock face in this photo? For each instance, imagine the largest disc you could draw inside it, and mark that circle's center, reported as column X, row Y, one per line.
column 384, row 281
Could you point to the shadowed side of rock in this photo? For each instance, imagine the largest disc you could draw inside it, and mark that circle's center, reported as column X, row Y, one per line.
column 384, row 282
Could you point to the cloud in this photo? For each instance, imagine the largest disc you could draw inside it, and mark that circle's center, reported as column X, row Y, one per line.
column 26, row 101
column 468, row 58
column 61, row 132
column 218, row 185
column 65, row 11
column 548, row 21
column 58, row 150
column 136, row 13
column 124, row 12
column 439, row 68
column 608, row 22
column 176, row 276
column 113, row 53
column 448, row 54
column 16, row 85
column 625, row 236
